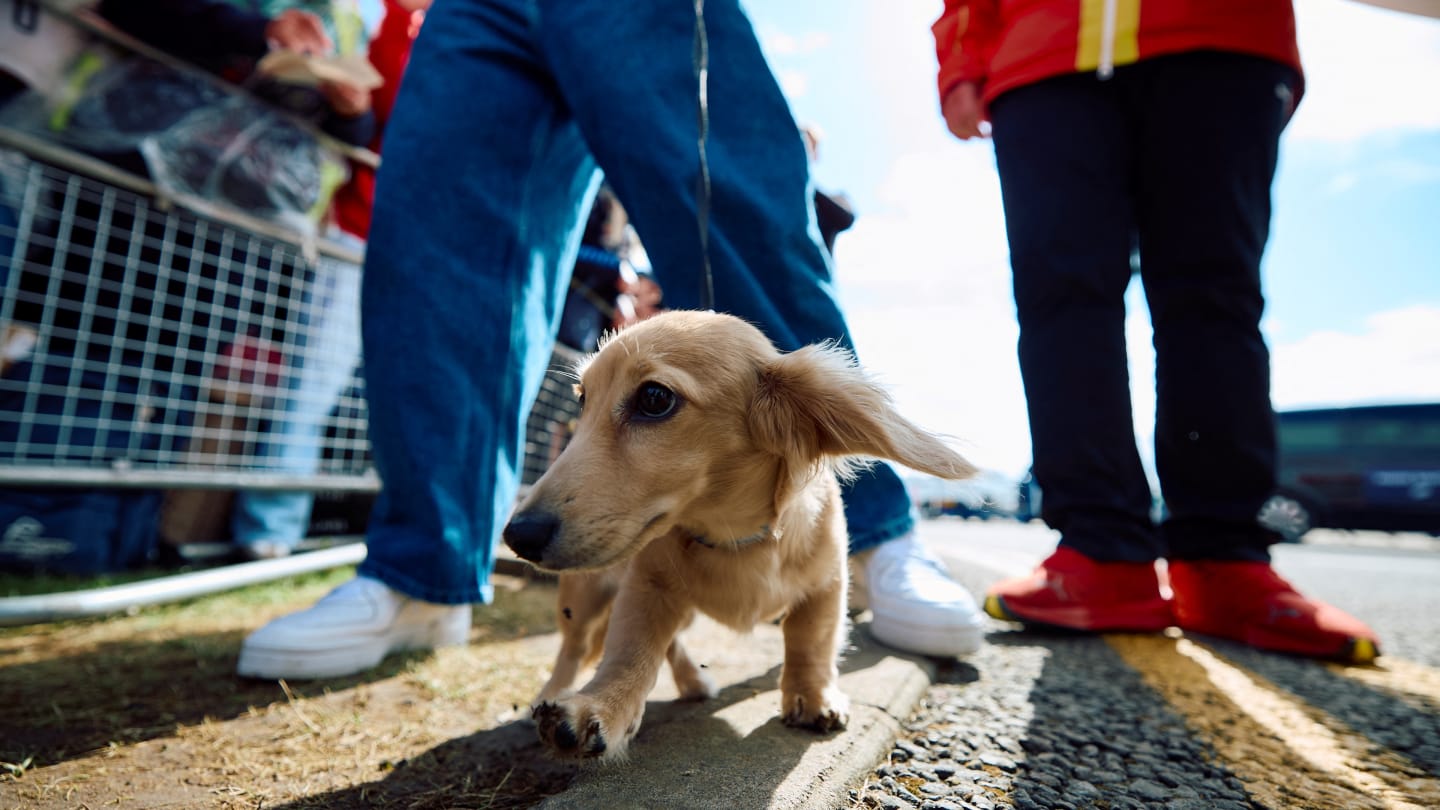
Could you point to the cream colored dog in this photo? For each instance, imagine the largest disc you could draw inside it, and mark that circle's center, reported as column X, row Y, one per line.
column 702, row 477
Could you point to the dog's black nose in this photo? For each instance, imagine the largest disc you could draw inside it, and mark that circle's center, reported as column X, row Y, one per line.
column 528, row 533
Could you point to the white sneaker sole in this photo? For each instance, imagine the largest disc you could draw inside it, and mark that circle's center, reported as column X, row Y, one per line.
column 337, row 662
column 939, row 642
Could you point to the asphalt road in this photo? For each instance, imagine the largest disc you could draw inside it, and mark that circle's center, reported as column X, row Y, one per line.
column 1056, row 720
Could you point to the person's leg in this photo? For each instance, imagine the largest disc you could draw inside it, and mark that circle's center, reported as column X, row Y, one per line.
column 1214, row 123
column 476, row 222
column 637, row 105
column 1070, row 222
column 476, row 214
column 270, row 524
column 267, row 524
column 1203, row 185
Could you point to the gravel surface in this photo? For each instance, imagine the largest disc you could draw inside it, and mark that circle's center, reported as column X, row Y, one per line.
column 1051, row 722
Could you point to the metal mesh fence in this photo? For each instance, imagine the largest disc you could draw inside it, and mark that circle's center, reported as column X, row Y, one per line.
column 143, row 344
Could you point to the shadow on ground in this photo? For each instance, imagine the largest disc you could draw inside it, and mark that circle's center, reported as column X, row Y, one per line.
column 502, row 767
column 74, row 688
column 507, row 767
column 129, row 691
column 1407, row 724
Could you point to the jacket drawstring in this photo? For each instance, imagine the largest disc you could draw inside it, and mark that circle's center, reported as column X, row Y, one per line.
column 1106, row 68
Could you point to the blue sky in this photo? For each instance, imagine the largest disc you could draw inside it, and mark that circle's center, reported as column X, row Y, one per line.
column 1352, row 271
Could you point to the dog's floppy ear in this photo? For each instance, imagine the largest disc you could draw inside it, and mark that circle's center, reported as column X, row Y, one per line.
column 815, row 402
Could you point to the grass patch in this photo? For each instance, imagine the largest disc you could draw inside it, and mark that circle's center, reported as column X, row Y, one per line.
column 12, row 584
column 147, row 704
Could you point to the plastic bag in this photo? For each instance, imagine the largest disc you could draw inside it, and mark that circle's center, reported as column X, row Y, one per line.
column 194, row 136
column 241, row 153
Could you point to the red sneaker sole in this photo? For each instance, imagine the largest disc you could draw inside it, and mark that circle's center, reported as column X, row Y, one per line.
column 1348, row 650
column 1135, row 617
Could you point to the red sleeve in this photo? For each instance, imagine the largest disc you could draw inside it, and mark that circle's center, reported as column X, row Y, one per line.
column 965, row 38
column 389, row 53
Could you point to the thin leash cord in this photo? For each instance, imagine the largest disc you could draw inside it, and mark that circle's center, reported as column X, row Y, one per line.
column 702, row 183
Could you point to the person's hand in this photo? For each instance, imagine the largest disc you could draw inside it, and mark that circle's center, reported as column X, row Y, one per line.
column 963, row 112
column 346, row 99
column 299, row 31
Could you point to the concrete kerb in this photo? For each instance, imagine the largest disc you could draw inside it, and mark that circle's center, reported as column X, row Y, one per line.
column 733, row 750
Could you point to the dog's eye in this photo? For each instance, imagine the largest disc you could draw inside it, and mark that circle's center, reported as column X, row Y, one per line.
column 655, row 401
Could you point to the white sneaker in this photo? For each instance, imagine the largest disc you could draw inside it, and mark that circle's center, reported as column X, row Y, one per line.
column 265, row 550
column 350, row 630
column 915, row 605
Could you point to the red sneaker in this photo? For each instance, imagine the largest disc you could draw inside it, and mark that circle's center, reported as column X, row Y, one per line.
column 1073, row 591
column 1250, row 603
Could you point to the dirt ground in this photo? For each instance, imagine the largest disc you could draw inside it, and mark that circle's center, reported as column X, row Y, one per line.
column 145, row 711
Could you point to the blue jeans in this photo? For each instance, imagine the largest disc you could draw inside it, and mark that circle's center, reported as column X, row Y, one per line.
column 508, row 112
column 326, row 352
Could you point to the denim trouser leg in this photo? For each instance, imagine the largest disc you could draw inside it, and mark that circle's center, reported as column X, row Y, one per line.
column 487, row 168
column 877, row 508
column 636, row 105
column 324, row 360
column 477, row 208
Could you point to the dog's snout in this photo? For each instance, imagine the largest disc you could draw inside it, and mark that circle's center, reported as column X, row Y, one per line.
column 528, row 533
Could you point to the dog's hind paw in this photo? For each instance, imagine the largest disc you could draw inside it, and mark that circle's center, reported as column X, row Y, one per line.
column 697, row 687
column 827, row 711
column 571, row 728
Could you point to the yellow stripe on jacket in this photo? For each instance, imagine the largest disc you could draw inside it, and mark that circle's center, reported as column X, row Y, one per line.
column 1090, row 44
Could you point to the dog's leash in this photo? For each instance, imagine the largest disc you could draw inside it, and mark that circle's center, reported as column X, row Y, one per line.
column 702, row 183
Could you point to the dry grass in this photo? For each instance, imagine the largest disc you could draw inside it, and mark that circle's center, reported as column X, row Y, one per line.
column 145, row 711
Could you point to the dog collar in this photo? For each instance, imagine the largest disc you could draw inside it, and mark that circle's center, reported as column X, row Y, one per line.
column 758, row 537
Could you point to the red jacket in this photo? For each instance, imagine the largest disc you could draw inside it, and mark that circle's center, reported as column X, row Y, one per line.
column 1004, row 44
column 389, row 53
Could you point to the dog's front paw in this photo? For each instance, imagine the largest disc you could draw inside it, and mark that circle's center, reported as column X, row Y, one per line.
column 576, row 727
column 824, row 711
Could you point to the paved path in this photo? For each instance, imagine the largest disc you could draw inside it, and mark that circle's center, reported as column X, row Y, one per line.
column 1055, row 721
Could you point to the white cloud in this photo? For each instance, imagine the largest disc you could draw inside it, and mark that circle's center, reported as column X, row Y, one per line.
column 1367, row 71
column 952, row 369
column 939, row 224
column 795, row 83
column 786, row 51
column 781, row 44
column 1395, row 359
column 926, row 283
